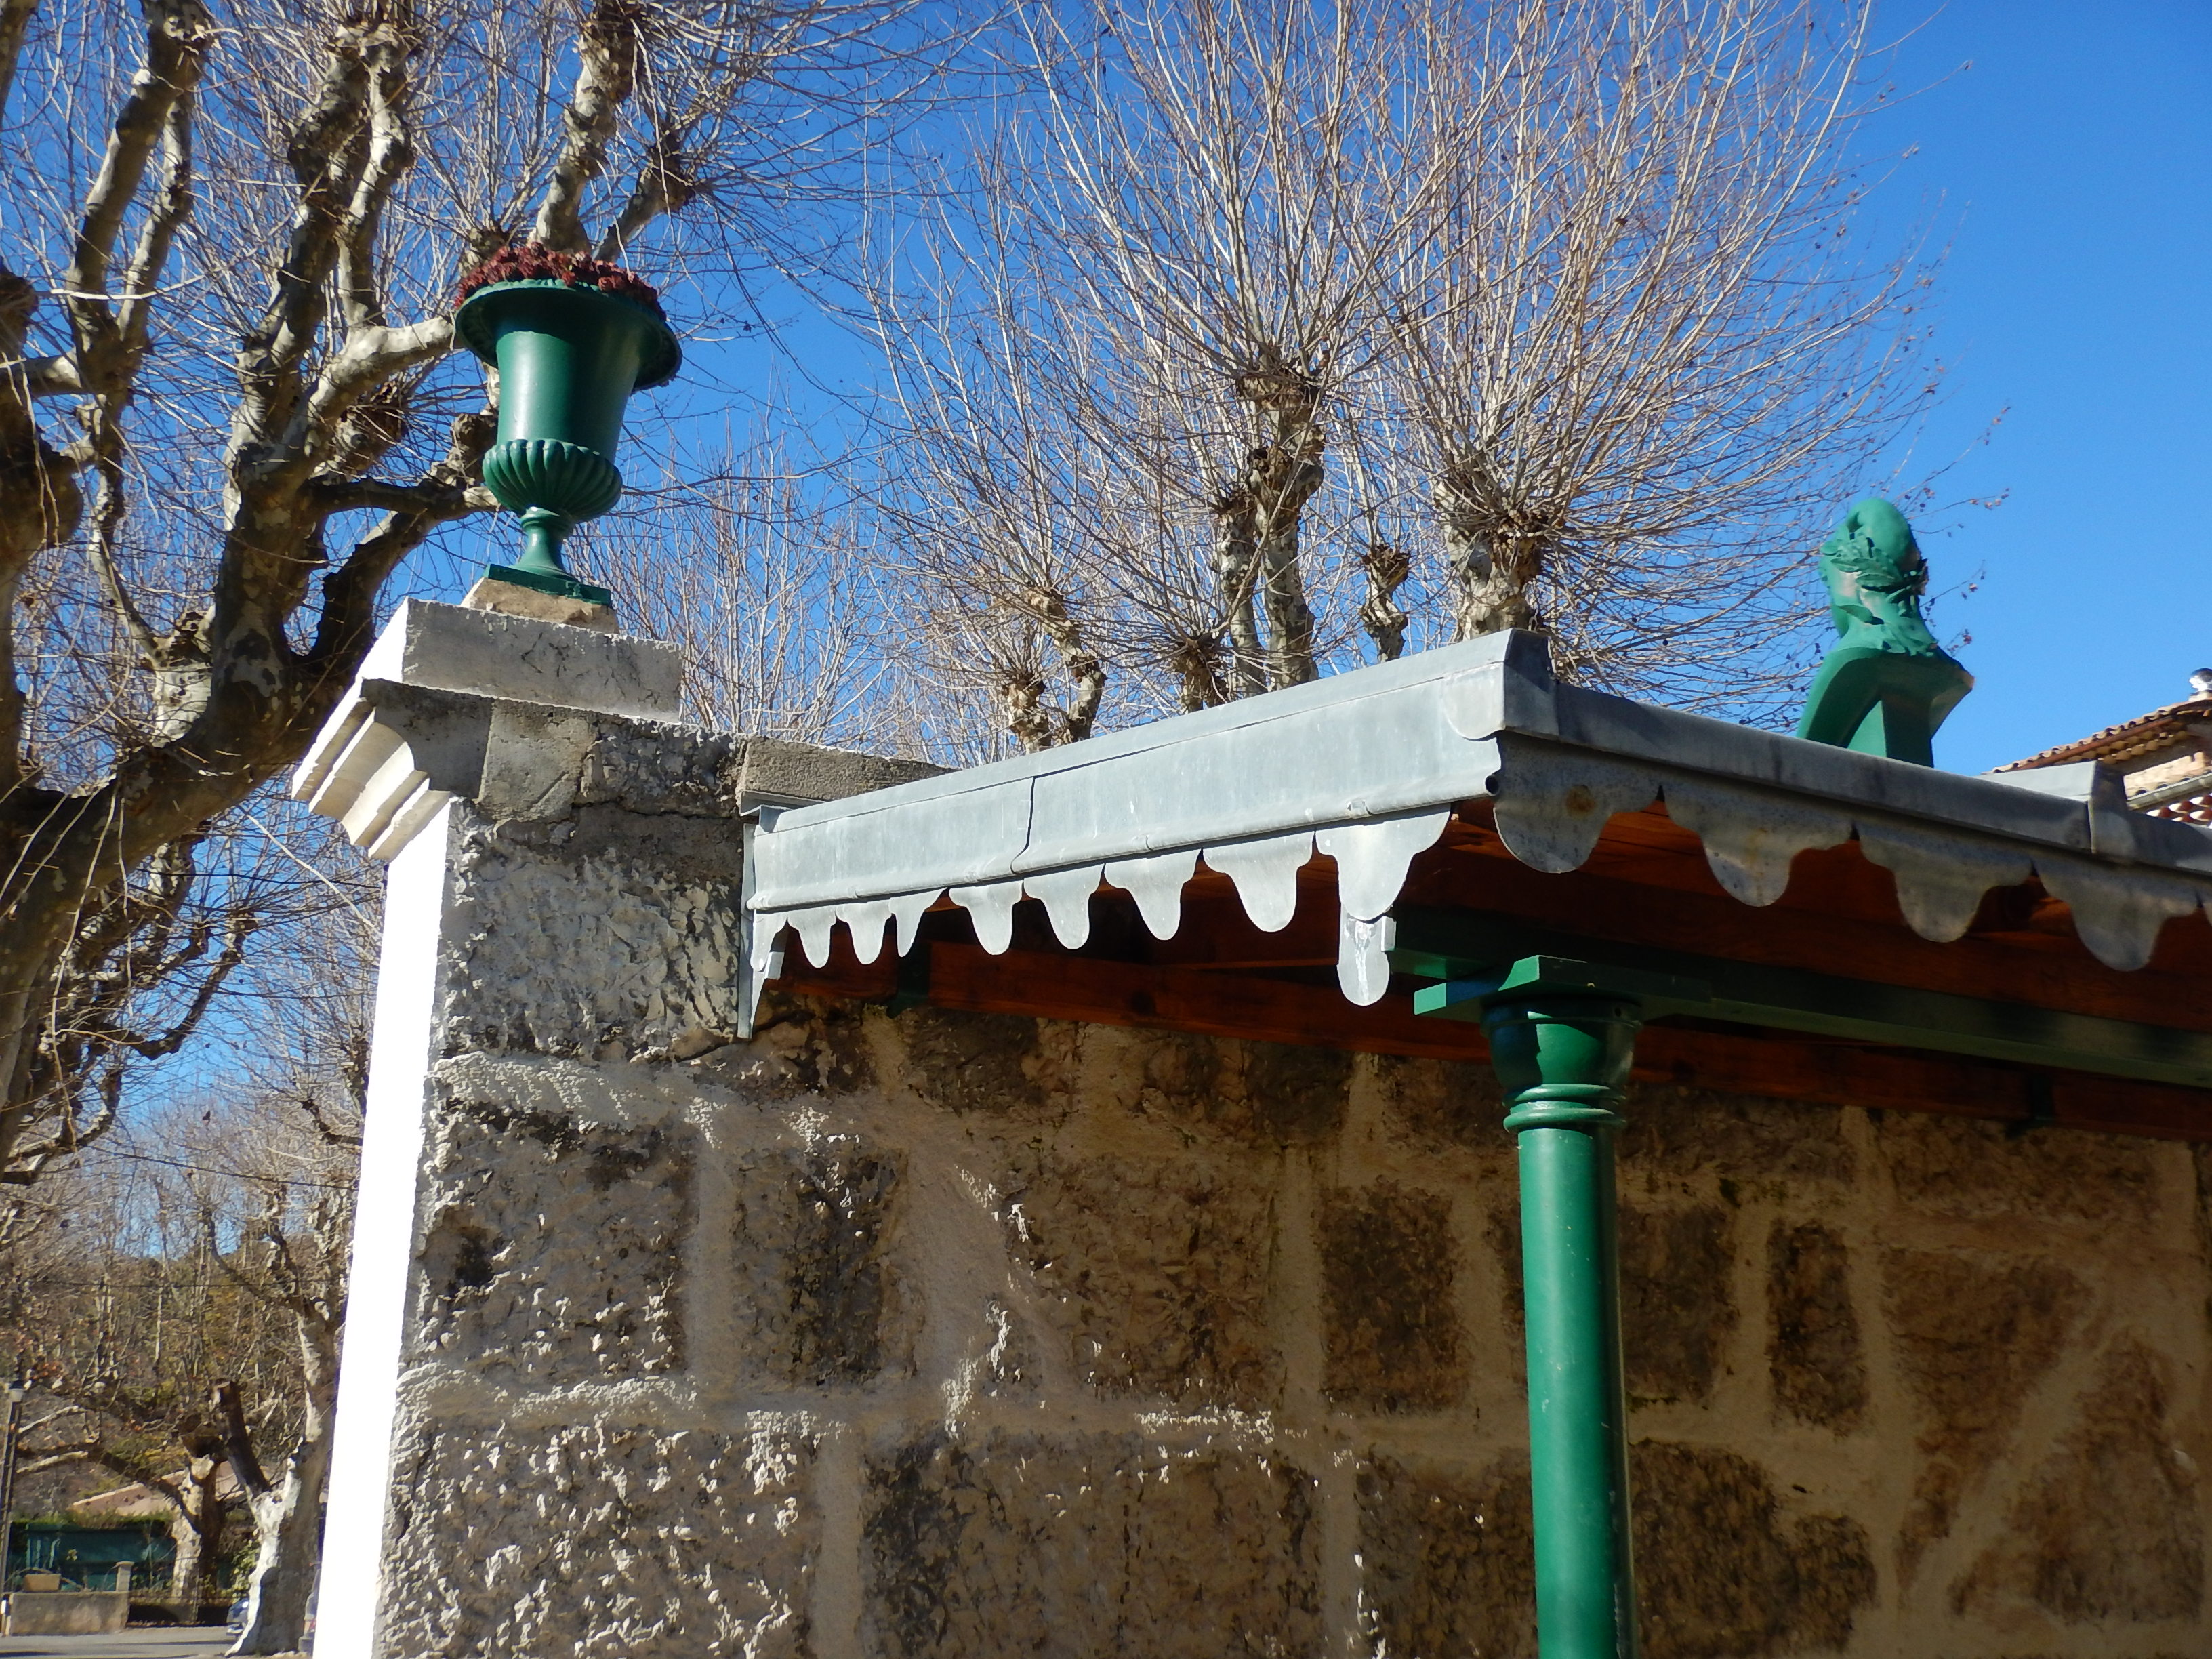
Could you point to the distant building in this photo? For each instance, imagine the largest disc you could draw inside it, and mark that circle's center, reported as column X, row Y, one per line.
column 2164, row 758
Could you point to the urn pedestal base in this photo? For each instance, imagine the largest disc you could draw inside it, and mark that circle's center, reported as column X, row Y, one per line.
column 501, row 589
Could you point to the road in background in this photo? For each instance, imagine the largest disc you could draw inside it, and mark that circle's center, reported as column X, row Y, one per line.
column 143, row 1644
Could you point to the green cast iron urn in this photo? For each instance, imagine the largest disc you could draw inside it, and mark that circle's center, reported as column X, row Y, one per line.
column 568, row 357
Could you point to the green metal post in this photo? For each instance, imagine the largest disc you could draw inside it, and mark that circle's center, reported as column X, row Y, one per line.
column 1562, row 1056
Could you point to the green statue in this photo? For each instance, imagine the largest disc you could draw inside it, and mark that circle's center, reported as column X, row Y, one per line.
column 1885, row 686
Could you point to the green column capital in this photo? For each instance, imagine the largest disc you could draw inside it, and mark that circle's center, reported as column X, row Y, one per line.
column 1562, row 1056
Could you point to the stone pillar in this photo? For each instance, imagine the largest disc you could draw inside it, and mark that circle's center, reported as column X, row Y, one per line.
column 563, row 882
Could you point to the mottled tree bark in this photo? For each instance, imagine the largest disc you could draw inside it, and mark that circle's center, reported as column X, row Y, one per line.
column 1380, row 617
column 197, row 1526
column 1494, row 563
column 1256, row 532
column 287, row 1511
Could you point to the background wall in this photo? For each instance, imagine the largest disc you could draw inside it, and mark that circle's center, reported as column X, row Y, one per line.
column 966, row 1334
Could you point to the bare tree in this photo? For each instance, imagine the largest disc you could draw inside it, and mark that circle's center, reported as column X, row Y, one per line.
column 226, row 413
column 996, row 504
column 1118, row 355
column 1258, row 328
column 119, row 1317
column 170, row 1419
column 182, row 1285
column 274, row 1194
column 756, row 563
column 1238, row 203
column 294, row 1260
column 185, row 1298
column 1649, row 355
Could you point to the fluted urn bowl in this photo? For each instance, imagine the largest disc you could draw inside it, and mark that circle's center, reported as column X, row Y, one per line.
column 569, row 358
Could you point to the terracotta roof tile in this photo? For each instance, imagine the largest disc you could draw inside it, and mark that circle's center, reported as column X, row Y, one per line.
column 2128, row 738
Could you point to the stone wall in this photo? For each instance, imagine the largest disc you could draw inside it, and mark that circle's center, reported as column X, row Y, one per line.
column 949, row 1335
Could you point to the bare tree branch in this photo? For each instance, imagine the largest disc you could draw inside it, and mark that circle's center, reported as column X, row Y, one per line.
column 238, row 1439
column 665, row 185
column 14, row 23
column 608, row 49
column 178, row 35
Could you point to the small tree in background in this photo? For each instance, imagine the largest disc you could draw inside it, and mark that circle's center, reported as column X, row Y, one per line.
column 769, row 577
column 121, row 1319
column 183, row 1291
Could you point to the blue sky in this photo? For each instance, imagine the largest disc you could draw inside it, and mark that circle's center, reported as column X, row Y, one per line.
column 2072, row 163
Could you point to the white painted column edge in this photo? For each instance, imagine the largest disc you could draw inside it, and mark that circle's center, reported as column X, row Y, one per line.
column 383, row 1247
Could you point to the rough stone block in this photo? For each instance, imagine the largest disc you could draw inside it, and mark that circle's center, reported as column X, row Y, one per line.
column 1969, row 1169
column 674, row 769
column 600, row 1542
column 511, row 599
column 554, row 1252
column 800, row 1045
column 1675, row 1310
column 1445, row 1103
column 1155, row 1274
column 970, row 1062
column 1449, row 1561
column 1742, row 1137
column 806, row 771
column 590, row 946
column 1813, row 1354
column 1973, row 1336
column 1297, row 1094
column 1391, row 1316
column 2111, row 1526
column 818, row 1298
column 533, row 759
column 68, row 1613
column 662, row 769
column 1261, row 1094
column 673, row 847
column 1721, row 1571
column 1102, row 1545
column 1176, row 1075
